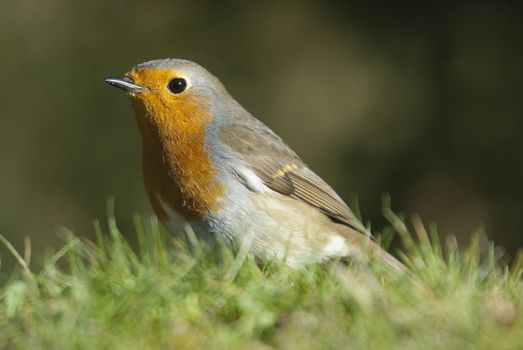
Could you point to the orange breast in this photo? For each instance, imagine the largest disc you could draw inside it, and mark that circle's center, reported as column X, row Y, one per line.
column 177, row 167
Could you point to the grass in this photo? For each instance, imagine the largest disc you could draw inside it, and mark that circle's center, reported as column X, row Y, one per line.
column 185, row 294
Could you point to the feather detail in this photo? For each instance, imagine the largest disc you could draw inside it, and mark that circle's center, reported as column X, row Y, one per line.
column 284, row 172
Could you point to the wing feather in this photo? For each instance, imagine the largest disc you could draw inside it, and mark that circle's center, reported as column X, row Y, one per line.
column 284, row 172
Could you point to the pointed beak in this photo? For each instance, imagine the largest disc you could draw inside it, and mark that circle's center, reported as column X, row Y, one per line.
column 126, row 84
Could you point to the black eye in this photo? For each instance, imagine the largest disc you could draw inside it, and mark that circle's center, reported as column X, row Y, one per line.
column 177, row 85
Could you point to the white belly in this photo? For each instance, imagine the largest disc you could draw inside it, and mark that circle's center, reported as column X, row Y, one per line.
column 273, row 226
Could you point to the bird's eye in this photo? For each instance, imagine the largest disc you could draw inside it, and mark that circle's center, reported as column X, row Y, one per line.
column 177, row 85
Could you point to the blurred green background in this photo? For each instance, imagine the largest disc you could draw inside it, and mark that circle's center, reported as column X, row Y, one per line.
column 421, row 100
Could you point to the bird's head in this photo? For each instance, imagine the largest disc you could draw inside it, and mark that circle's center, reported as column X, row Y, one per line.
column 172, row 95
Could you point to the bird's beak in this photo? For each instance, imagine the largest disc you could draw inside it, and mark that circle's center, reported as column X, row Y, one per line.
column 126, row 84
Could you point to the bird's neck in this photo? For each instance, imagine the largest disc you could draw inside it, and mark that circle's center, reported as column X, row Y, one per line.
column 177, row 168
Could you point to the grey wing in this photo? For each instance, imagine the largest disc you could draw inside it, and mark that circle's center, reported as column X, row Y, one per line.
column 283, row 171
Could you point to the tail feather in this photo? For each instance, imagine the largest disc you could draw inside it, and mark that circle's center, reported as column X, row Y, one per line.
column 364, row 248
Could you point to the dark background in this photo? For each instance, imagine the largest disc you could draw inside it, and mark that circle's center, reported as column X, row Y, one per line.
column 421, row 100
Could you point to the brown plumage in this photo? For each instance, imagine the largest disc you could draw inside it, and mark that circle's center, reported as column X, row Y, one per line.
column 283, row 171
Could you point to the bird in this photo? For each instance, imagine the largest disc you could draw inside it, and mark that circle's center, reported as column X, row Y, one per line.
column 208, row 162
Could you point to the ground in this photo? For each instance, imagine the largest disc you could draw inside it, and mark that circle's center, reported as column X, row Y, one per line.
column 170, row 293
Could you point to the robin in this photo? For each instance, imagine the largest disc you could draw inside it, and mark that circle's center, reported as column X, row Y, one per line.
column 207, row 161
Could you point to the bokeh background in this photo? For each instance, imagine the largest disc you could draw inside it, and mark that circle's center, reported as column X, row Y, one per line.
column 422, row 100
